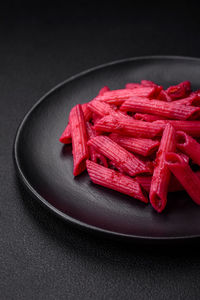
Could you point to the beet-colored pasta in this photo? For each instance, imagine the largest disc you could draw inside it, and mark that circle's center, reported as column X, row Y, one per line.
column 100, row 108
column 148, row 117
column 133, row 85
column 103, row 90
column 120, row 156
column 144, row 147
column 128, row 126
column 182, row 171
column 94, row 155
column 188, row 145
column 79, row 139
column 126, row 135
column 117, row 97
column 193, row 99
column 180, row 90
column 145, row 182
column 115, row 181
column 161, row 108
column 164, row 96
column 66, row 137
column 190, row 127
column 161, row 174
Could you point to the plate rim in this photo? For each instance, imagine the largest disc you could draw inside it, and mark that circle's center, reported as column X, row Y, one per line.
column 50, row 207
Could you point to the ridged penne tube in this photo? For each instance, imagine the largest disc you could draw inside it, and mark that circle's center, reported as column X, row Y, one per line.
column 161, row 108
column 144, row 147
column 193, row 100
column 100, row 108
column 190, row 127
column 145, row 182
column 148, row 117
column 128, row 126
column 79, row 139
column 188, row 145
column 66, row 135
column 120, row 156
column 161, row 174
column 115, row 181
column 182, row 171
column 117, row 97
column 94, row 155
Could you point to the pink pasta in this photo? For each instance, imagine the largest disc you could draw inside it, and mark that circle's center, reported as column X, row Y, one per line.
column 103, row 90
column 117, row 97
column 156, row 107
column 94, row 155
column 120, row 156
column 79, row 139
column 144, row 147
column 116, row 181
column 182, row 171
column 148, row 117
column 188, row 145
column 161, row 174
column 140, row 140
column 190, row 127
column 128, row 126
column 66, row 135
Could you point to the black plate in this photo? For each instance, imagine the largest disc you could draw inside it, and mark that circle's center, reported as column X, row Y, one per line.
column 45, row 165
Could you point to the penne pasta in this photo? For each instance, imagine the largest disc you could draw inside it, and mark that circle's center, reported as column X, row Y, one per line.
column 188, row 145
column 161, row 174
column 160, row 108
column 66, row 135
column 117, row 97
column 182, row 171
column 115, row 181
column 120, row 156
column 190, row 127
column 94, row 155
column 100, row 108
column 79, row 139
column 144, row 147
column 125, row 125
column 148, row 117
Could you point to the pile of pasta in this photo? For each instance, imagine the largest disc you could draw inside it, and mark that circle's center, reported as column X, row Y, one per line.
column 142, row 140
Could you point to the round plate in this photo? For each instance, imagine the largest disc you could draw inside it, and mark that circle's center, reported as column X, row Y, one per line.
column 45, row 165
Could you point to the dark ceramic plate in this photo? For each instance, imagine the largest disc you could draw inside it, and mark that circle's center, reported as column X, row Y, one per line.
column 45, row 165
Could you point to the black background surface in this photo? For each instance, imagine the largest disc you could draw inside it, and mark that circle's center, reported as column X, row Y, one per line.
column 42, row 44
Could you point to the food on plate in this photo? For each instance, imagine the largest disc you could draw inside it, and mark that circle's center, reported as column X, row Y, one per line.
column 141, row 140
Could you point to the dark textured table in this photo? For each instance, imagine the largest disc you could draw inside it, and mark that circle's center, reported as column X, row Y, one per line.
column 41, row 257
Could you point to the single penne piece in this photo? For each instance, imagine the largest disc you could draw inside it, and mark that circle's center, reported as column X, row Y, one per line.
column 161, row 108
column 100, row 108
column 190, row 127
column 161, row 174
column 182, row 171
column 115, row 181
column 144, row 147
column 126, row 125
column 66, row 135
column 94, row 155
column 79, row 139
column 103, row 90
column 188, row 145
column 120, row 156
column 117, row 97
